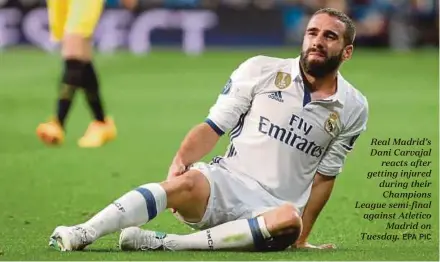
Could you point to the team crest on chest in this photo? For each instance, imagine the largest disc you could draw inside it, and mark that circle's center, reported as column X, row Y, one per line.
column 331, row 125
column 283, row 80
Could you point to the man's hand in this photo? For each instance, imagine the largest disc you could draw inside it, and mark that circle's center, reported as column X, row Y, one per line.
column 306, row 245
column 176, row 169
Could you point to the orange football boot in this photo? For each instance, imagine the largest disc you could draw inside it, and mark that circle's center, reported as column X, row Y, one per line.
column 51, row 132
column 98, row 133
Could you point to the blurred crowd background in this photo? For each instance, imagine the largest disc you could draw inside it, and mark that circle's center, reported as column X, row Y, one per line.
column 195, row 24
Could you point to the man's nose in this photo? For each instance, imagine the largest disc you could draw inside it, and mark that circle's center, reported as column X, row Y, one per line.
column 318, row 42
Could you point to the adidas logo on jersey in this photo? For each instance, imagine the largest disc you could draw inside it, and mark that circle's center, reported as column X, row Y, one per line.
column 276, row 96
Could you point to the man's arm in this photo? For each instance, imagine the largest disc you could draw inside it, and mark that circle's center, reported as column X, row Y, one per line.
column 197, row 143
column 321, row 190
column 328, row 169
column 234, row 100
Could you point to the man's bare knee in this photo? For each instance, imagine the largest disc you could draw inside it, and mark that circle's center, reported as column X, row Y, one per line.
column 185, row 183
column 282, row 220
column 76, row 47
column 188, row 194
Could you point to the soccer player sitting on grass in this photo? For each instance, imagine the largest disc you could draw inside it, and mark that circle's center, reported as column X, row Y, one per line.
column 292, row 123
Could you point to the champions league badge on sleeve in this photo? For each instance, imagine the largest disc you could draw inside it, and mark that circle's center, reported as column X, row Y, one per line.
column 227, row 87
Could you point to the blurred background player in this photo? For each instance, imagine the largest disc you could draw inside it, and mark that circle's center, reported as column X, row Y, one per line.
column 73, row 22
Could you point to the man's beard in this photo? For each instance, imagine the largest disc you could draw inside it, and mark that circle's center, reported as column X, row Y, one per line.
column 320, row 69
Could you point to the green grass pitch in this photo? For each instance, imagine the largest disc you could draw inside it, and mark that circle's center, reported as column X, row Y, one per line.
column 155, row 100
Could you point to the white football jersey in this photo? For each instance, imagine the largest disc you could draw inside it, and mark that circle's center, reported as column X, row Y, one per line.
column 278, row 136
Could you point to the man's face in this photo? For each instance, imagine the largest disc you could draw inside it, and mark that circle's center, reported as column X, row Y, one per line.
column 323, row 47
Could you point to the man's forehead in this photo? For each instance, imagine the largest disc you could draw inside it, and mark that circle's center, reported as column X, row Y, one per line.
column 326, row 22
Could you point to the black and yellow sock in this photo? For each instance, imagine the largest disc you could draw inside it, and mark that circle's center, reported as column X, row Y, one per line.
column 91, row 89
column 71, row 80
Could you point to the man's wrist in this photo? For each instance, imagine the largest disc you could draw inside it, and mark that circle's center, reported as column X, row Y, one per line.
column 178, row 159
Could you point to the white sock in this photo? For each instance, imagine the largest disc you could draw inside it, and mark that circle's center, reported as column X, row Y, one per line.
column 135, row 208
column 239, row 234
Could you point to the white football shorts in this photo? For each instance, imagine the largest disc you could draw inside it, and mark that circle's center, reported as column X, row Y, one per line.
column 232, row 197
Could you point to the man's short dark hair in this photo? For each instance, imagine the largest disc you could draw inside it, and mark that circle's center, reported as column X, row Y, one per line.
column 350, row 28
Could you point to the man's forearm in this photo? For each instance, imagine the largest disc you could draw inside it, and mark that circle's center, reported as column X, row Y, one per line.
column 321, row 191
column 197, row 144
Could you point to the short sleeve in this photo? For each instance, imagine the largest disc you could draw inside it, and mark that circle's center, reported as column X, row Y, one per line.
column 236, row 96
column 336, row 154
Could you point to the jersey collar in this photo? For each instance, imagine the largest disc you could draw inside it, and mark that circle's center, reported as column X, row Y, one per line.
column 338, row 97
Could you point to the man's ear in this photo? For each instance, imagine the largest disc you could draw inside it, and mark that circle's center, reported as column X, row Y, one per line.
column 348, row 52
